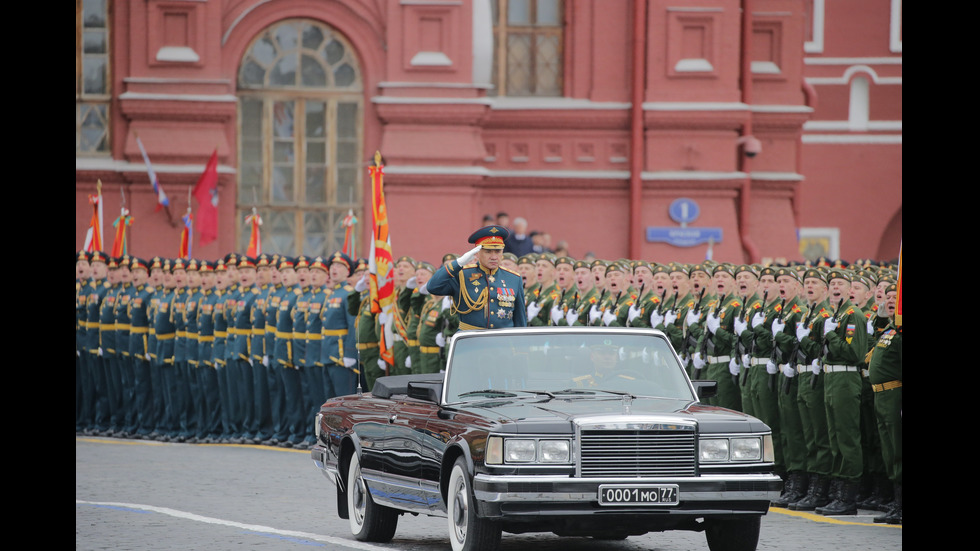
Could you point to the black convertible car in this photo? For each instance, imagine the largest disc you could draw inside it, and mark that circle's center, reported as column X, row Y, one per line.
column 579, row 431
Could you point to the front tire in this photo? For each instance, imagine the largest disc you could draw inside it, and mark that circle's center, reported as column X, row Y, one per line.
column 368, row 520
column 734, row 535
column 467, row 532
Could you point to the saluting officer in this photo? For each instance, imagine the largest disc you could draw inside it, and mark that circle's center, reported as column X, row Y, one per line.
column 485, row 296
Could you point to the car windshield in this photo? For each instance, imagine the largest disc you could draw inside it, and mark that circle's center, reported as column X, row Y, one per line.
column 495, row 364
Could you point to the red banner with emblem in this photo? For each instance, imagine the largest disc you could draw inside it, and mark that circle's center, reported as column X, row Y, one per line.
column 381, row 263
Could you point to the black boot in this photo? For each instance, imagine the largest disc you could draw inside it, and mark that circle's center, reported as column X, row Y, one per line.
column 793, row 490
column 844, row 504
column 894, row 515
column 816, row 495
column 881, row 493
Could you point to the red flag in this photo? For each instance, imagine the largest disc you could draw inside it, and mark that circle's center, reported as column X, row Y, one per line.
column 206, row 193
column 381, row 269
column 186, row 236
column 120, row 245
column 898, row 302
column 255, row 238
column 93, row 239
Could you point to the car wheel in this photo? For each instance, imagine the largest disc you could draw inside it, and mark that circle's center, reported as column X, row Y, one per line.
column 368, row 520
column 734, row 535
column 467, row 532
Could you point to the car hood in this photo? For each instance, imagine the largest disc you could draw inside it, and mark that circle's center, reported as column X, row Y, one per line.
column 560, row 414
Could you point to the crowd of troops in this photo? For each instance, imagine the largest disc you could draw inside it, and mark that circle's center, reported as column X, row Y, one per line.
column 244, row 350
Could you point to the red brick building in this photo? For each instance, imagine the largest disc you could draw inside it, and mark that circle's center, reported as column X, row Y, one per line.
column 778, row 123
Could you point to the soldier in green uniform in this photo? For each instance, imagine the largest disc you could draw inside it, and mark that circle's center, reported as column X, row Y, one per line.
column 484, row 295
column 717, row 342
column 366, row 329
column 791, row 441
column 293, row 406
column 273, row 379
column 165, row 332
column 846, row 344
column 548, row 293
column 565, row 280
column 124, row 421
column 260, row 428
column 242, row 383
column 527, row 268
column 83, row 272
column 585, row 295
column 208, row 405
column 747, row 363
column 95, row 291
column 190, row 416
column 108, row 392
column 223, row 285
column 671, row 320
column 423, row 272
column 436, row 320
column 885, row 375
column 179, row 371
column 230, row 374
column 401, row 311
column 653, row 289
column 813, row 411
column 139, row 330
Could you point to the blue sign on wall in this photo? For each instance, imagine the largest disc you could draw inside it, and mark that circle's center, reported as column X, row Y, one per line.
column 684, row 211
column 684, row 237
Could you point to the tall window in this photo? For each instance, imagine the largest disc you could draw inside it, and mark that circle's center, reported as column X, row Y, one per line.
column 91, row 77
column 527, row 56
column 300, row 110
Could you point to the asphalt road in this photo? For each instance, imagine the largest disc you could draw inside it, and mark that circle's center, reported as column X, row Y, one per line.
column 133, row 494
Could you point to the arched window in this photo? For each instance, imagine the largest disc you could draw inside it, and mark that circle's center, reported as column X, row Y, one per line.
column 300, row 109
column 859, row 105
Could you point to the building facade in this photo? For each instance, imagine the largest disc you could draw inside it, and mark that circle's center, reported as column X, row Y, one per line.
column 666, row 130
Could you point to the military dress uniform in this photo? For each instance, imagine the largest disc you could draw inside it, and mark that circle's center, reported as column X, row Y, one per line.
column 293, row 407
column 885, row 375
column 436, row 323
column 180, row 389
column 260, row 428
column 482, row 298
column 366, row 332
column 110, row 396
column 209, row 426
column 717, row 349
column 339, row 353
column 139, row 332
column 165, row 332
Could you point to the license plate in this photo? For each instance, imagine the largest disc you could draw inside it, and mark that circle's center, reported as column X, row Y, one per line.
column 664, row 494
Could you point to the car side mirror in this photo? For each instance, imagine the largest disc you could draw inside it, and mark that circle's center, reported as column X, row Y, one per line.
column 705, row 389
column 430, row 391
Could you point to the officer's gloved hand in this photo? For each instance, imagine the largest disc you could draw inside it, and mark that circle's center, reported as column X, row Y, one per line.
column 698, row 362
column 411, row 283
column 712, row 323
column 788, row 369
column 147, row 355
column 571, row 316
column 815, row 367
column 829, row 325
column 758, row 319
column 99, row 351
column 265, row 361
column 871, row 327
column 362, row 284
column 656, row 318
column 670, row 316
column 440, row 340
column 802, row 331
column 740, row 325
column 383, row 318
column 468, row 255
column 692, row 317
column 349, row 362
column 771, row 367
column 533, row 309
column 446, row 302
column 382, row 365
column 608, row 317
column 408, row 361
column 778, row 325
column 249, row 360
column 633, row 313
column 423, row 290
column 556, row 315
column 733, row 367
column 746, row 360
column 594, row 314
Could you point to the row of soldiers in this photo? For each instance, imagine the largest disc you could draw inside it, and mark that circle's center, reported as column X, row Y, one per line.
column 813, row 351
column 239, row 350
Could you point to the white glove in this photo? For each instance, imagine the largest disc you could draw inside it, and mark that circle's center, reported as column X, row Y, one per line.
column 349, row 362
column 871, row 327
column 556, row 314
column 411, row 283
column 532, row 310
column 670, row 317
column 712, row 323
column 815, row 367
column 362, row 284
column 789, row 370
column 608, row 317
column 692, row 317
column 733, row 367
column 645, row 356
column 656, row 318
column 440, row 340
column 634, row 313
column 265, row 361
column 698, row 362
column 778, row 325
column 594, row 314
column 572, row 316
column 382, row 365
column 100, row 351
column 468, row 255
column 622, row 354
column 383, row 318
column 740, row 325
column 758, row 319
column 249, row 360
column 802, row 331
column 422, row 289
column 408, row 361
column 446, row 302
column 147, row 356
column 746, row 360
column 829, row 325
column 771, row 368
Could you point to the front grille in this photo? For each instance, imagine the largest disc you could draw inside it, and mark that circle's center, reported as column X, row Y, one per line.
column 637, row 453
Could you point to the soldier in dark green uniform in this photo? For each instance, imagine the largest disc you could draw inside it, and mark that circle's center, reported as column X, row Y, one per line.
column 292, row 408
column 139, row 330
column 222, row 287
column 260, row 428
column 748, row 361
column 400, row 312
column 885, row 375
column 243, row 387
column 671, row 320
column 436, row 322
column 179, row 389
column 539, row 309
column 584, row 297
column 190, row 416
column 109, row 396
column 209, row 396
column 423, row 272
column 165, row 332
column 83, row 273
column 366, row 329
column 718, row 340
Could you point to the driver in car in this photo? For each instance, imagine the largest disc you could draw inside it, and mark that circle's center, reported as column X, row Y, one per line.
column 605, row 361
